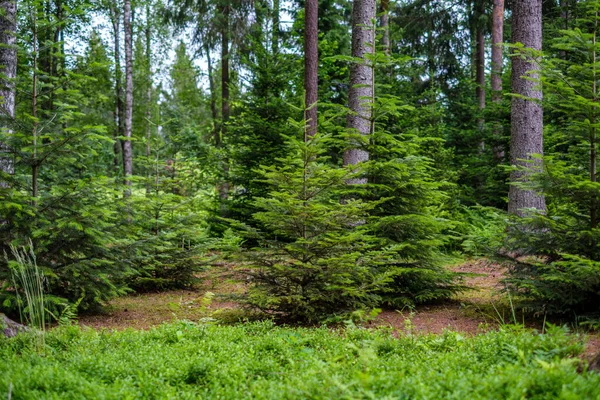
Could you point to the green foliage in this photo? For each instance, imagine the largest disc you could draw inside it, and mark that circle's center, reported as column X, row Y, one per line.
column 186, row 360
column 482, row 230
column 316, row 258
column 411, row 219
column 562, row 272
column 28, row 282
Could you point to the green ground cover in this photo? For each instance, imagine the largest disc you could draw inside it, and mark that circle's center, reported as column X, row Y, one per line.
column 259, row 360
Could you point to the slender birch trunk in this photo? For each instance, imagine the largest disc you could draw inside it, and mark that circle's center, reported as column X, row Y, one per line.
column 8, row 71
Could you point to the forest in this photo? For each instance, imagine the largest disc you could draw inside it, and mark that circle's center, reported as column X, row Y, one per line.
column 273, row 199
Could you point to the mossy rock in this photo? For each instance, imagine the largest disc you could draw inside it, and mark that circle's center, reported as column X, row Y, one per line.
column 9, row 327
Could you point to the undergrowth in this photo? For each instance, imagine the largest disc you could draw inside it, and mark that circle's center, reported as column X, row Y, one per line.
column 260, row 360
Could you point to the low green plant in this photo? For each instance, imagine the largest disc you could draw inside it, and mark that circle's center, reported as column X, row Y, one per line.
column 261, row 360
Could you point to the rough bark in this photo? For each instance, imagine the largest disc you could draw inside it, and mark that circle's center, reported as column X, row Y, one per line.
column 225, row 110
column 213, row 97
column 497, row 58
column 360, row 96
column 225, row 78
column 480, row 69
column 115, row 16
column 128, row 112
column 527, row 114
column 8, row 74
column 311, row 66
column 385, row 26
column 276, row 26
column 480, row 66
column 34, row 113
column 497, row 66
column 11, row 328
column 148, row 97
column 564, row 14
column 593, row 130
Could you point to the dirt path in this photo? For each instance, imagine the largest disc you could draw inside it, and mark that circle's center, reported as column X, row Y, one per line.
column 471, row 312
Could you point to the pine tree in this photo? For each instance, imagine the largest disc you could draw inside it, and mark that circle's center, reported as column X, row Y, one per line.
column 311, row 65
column 527, row 113
column 563, row 274
column 314, row 262
column 362, row 81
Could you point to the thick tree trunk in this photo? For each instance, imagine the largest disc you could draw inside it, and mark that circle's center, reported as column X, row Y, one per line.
column 11, row 328
column 115, row 16
column 311, row 66
column 497, row 66
column 127, row 150
column 361, row 93
column 8, row 65
column 527, row 114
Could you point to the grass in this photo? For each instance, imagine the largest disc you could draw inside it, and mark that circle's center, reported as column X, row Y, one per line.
column 259, row 360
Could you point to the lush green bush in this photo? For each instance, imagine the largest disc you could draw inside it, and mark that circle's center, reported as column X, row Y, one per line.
column 559, row 267
column 258, row 360
column 316, row 257
column 328, row 248
column 411, row 217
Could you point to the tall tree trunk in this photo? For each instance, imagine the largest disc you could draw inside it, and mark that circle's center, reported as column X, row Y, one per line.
column 275, row 22
column 225, row 78
column 311, row 67
column 480, row 66
column 526, row 137
column 361, row 93
column 564, row 14
column 225, row 81
column 385, row 26
column 115, row 16
column 497, row 57
column 59, row 55
column 8, row 65
column 34, row 113
column 593, row 131
column 213, row 97
column 148, row 97
column 497, row 66
column 127, row 150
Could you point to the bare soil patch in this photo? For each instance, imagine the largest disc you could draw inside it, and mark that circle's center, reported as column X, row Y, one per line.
column 471, row 312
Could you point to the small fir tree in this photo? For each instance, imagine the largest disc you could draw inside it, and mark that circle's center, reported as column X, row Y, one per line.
column 316, row 258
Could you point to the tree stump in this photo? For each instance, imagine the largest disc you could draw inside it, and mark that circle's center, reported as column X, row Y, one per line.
column 594, row 363
column 9, row 327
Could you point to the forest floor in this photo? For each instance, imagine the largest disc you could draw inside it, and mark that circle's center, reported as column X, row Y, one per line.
column 481, row 309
